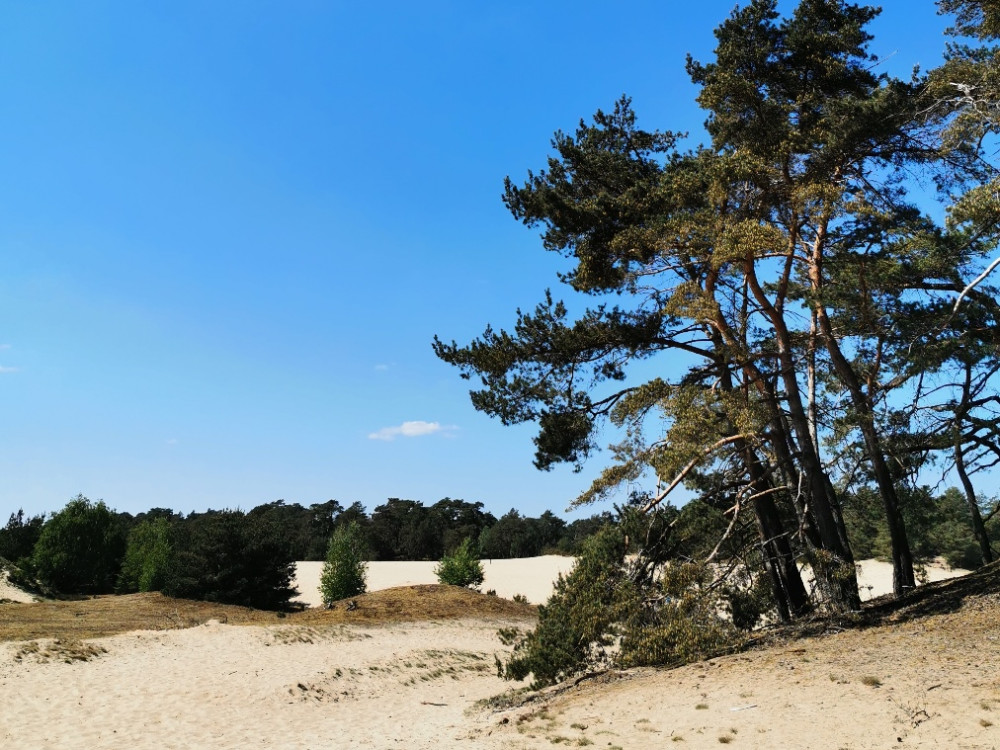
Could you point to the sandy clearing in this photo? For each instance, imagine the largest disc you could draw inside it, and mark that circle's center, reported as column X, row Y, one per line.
column 923, row 684
column 220, row 686
column 532, row 577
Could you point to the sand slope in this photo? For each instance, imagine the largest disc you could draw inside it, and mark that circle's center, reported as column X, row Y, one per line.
column 220, row 686
column 12, row 593
column 925, row 683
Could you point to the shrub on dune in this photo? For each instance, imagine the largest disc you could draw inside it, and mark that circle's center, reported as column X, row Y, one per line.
column 461, row 567
column 345, row 569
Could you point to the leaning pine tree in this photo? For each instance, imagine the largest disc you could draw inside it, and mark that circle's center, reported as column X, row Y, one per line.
column 763, row 279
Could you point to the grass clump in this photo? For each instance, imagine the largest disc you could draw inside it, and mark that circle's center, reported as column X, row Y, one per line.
column 67, row 651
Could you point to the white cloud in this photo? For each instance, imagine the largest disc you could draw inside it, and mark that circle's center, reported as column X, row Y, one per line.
column 7, row 369
column 381, row 368
column 171, row 441
column 412, row 429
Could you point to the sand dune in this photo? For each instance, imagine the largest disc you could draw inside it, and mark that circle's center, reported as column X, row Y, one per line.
column 12, row 593
column 532, row 577
column 922, row 684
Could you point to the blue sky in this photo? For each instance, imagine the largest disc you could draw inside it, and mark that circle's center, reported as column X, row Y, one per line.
column 230, row 231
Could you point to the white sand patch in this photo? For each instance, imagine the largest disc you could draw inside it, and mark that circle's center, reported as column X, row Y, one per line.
column 532, row 577
column 875, row 576
column 11, row 592
column 222, row 686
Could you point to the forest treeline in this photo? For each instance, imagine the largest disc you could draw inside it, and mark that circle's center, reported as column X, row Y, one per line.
column 248, row 557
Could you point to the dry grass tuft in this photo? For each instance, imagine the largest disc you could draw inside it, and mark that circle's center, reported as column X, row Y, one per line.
column 419, row 603
column 59, row 650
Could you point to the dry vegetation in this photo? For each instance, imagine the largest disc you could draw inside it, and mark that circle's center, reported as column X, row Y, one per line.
column 108, row 615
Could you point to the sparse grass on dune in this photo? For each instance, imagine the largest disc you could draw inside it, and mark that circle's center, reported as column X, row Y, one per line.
column 108, row 615
column 97, row 617
column 416, row 603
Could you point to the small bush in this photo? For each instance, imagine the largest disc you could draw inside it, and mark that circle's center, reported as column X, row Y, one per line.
column 678, row 620
column 461, row 568
column 345, row 569
column 578, row 621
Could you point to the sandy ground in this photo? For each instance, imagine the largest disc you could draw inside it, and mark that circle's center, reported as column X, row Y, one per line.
column 219, row 686
column 922, row 684
column 12, row 593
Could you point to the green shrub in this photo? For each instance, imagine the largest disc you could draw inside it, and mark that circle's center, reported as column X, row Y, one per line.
column 670, row 618
column 579, row 619
column 148, row 557
column 678, row 619
column 80, row 549
column 345, row 569
column 461, row 568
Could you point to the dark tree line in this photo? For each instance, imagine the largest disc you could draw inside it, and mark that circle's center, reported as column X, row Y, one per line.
column 248, row 558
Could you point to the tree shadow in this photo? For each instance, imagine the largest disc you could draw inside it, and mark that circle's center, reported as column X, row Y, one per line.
column 937, row 598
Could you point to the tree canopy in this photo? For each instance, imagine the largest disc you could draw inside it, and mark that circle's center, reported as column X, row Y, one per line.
column 783, row 282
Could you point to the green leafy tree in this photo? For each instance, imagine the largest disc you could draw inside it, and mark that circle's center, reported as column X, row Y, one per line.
column 458, row 520
column 461, row 567
column 345, row 569
column 19, row 536
column 403, row 530
column 148, row 557
column 689, row 241
column 781, row 282
column 80, row 548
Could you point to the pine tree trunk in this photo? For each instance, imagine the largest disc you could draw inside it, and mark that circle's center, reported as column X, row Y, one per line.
column 978, row 527
column 838, row 571
column 903, row 578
